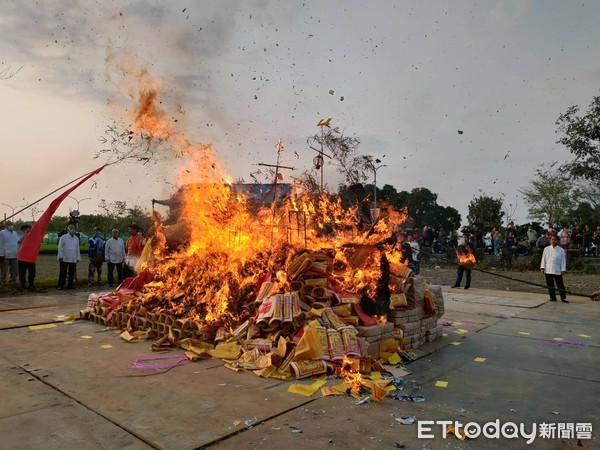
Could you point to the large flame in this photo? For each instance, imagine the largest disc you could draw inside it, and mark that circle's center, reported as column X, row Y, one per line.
column 229, row 241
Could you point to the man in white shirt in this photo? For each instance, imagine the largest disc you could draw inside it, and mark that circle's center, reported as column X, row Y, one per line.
column 68, row 256
column 554, row 266
column 10, row 247
column 114, row 253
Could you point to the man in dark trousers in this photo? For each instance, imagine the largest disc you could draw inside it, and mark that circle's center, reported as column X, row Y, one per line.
column 462, row 252
column 554, row 266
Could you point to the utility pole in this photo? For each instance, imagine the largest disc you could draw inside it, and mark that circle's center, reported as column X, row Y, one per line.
column 318, row 160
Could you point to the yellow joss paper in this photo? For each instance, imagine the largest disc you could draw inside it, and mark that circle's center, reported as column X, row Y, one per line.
column 306, row 389
column 442, row 384
column 378, row 392
column 330, row 390
column 42, row 327
column 375, row 375
column 85, row 337
column 228, row 350
column 479, row 360
column 524, row 333
column 585, row 336
column 455, row 343
column 394, row 359
column 106, row 346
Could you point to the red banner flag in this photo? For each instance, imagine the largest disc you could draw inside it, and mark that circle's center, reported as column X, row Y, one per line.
column 30, row 247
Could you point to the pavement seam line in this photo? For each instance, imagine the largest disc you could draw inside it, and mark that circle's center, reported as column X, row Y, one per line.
column 133, row 433
column 262, row 422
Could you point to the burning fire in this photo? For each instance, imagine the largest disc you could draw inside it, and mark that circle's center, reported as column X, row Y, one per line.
column 228, row 241
column 466, row 258
column 350, row 373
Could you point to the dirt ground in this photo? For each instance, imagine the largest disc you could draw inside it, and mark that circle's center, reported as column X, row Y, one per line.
column 577, row 283
column 47, row 267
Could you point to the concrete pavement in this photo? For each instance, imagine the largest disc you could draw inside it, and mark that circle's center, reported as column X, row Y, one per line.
column 70, row 385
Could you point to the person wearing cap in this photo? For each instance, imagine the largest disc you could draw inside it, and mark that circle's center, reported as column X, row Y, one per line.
column 68, row 256
column 96, row 255
column 134, row 246
column 10, row 243
column 26, row 269
column 553, row 266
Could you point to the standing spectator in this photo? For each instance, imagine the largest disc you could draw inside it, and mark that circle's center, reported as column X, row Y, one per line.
column 114, row 252
column 415, row 234
column 2, row 228
column 531, row 237
column 442, row 240
column 510, row 239
column 543, row 241
column 26, row 269
column 587, row 240
column 466, row 248
column 96, row 255
column 10, row 244
column 427, row 234
column 497, row 241
column 493, row 233
column 565, row 238
column 596, row 240
column 479, row 233
column 134, row 246
column 554, row 266
column 453, row 242
column 577, row 238
column 68, row 256
column 405, row 249
column 511, row 227
column 415, row 254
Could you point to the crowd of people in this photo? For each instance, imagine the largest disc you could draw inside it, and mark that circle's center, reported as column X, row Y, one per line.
column 120, row 256
column 584, row 239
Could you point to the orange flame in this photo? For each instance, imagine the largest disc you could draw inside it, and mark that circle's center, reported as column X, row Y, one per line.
column 466, row 258
column 351, row 375
column 228, row 240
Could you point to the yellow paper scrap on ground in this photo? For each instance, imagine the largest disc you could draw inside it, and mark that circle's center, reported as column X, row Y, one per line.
column 236, row 423
column 397, row 372
column 342, row 387
column 394, row 359
column 330, row 390
column 134, row 336
column 461, row 331
column 85, row 337
column 42, row 327
column 64, row 317
column 557, row 339
column 455, row 343
column 228, row 350
column 378, row 392
column 441, row 384
column 585, row 335
column 106, row 346
column 479, row 360
column 375, row 375
column 306, row 389
column 525, row 333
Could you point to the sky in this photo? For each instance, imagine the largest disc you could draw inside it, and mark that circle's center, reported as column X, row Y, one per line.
column 401, row 76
